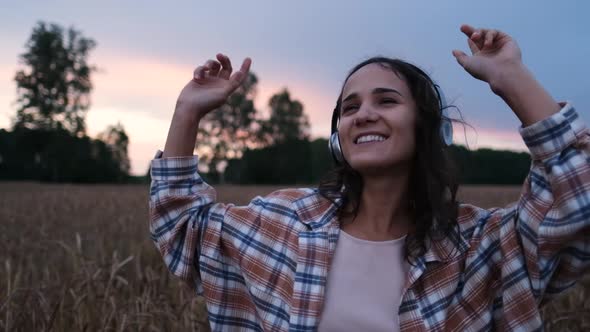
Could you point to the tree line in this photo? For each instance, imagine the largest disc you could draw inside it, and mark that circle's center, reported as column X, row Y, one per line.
column 235, row 143
column 48, row 140
column 306, row 161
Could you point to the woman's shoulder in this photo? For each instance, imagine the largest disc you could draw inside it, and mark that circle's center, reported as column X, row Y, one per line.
column 306, row 205
column 291, row 195
column 470, row 216
column 288, row 199
column 469, row 211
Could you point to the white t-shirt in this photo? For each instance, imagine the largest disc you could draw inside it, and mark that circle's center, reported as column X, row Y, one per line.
column 364, row 286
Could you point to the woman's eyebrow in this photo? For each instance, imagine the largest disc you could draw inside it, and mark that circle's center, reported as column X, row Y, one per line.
column 385, row 90
column 350, row 96
column 375, row 92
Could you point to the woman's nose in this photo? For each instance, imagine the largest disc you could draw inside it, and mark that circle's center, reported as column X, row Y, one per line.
column 365, row 114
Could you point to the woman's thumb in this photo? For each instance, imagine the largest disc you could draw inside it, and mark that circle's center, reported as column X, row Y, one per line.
column 462, row 58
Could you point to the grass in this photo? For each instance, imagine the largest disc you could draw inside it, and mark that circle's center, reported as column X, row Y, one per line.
column 80, row 258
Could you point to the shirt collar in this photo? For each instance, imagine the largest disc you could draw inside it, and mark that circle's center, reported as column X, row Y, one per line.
column 316, row 212
column 447, row 248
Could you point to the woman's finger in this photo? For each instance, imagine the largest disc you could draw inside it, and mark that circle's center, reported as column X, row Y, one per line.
column 462, row 58
column 473, row 46
column 489, row 38
column 238, row 77
column 473, row 37
column 199, row 72
column 467, row 30
column 226, row 68
column 478, row 37
column 213, row 67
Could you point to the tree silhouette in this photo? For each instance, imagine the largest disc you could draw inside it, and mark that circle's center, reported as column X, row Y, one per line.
column 117, row 140
column 54, row 87
column 48, row 141
column 287, row 155
column 287, row 120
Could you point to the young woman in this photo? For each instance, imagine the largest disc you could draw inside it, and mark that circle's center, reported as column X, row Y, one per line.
column 383, row 245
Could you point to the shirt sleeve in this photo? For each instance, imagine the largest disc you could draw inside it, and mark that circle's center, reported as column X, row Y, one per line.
column 185, row 219
column 553, row 212
column 216, row 246
column 179, row 199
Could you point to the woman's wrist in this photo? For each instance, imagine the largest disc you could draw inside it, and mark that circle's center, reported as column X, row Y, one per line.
column 187, row 114
column 508, row 77
column 182, row 135
column 527, row 98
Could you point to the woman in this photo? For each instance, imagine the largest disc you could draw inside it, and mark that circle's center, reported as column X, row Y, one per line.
column 383, row 245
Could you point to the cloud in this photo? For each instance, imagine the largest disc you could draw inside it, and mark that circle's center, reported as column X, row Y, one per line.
column 138, row 83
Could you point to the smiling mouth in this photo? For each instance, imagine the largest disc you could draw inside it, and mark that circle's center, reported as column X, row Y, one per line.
column 370, row 139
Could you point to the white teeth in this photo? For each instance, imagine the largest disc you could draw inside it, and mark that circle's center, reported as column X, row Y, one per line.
column 370, row 138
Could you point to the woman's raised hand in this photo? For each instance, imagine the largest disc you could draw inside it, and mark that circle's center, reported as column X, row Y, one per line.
column 494, row 53
column 210, row 87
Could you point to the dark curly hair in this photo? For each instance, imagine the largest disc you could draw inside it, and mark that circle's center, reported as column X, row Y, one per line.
column 433, row 183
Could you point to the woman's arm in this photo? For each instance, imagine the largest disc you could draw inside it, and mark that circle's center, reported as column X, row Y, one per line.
column 526, row 97
column 220, row 249
column 182, row 206
column 545, row 237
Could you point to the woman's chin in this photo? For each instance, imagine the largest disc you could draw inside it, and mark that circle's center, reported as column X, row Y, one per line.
column 376, row 166
column 370, row 166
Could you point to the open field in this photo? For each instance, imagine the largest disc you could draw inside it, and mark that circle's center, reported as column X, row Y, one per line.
column 79, row 258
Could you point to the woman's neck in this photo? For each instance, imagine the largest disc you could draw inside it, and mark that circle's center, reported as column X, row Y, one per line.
column 384, row 207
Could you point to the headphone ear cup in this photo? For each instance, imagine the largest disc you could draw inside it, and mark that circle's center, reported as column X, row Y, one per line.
column 446, row 126
column 335, row 148
column 446, row 129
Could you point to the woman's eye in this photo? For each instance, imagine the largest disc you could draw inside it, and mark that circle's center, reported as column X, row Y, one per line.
column 349, row 108
column 388, row 101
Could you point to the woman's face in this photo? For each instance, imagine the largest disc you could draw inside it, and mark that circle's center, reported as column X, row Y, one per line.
column 377, row 120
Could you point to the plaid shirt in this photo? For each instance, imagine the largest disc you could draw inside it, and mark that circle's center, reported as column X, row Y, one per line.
column 264, row 266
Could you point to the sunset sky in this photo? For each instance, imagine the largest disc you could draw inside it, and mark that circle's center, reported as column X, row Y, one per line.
column 147, row 51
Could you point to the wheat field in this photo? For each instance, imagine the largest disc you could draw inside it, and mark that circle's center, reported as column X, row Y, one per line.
column 79, row 258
